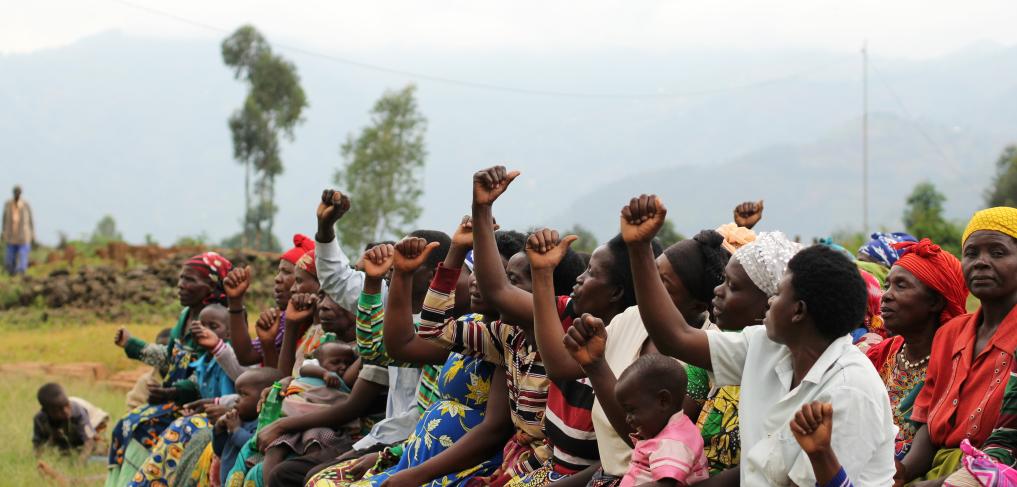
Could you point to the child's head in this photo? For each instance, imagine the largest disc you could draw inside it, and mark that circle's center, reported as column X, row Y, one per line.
column 335, row 357
column 249, row 386
column 54, row 402
column 216, row 317
column 650, row 391
column 163, row 337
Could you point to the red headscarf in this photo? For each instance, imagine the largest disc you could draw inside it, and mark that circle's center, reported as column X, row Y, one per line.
column 301, row 245
column 306, row 263
column 873, row 320
column 939, row 270
column 214, row 267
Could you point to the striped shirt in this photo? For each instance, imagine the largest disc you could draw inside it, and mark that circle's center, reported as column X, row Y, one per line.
column 371, row 347
column 497, row 343
column 568, row 422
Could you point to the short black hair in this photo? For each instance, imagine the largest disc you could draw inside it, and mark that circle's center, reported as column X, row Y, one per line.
column 699, row 262
column 621, row 271
column 509, row 242
column 571, row 267
column 49, row 394
column 831, row 287
column 655, row 371
column 444, row 242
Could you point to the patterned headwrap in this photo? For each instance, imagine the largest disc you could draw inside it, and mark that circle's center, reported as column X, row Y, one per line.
column 1002, row 219
column 469, row 260
column 880, row 247
column 939, row 270
column 214, row 267
column 873, row 318
column 838, row 247
column 302, row 244
column 766, row 258
column 735, row 237
column 306, row 264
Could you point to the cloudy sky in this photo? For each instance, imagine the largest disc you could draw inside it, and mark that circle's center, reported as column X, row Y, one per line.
column 901, row 28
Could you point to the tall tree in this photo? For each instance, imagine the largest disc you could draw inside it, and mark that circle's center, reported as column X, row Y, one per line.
column 272, row 107
column 382, row 169
column 923, row 218
column 1003, row 191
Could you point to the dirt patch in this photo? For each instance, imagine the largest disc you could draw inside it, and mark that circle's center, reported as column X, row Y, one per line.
column 90, row 371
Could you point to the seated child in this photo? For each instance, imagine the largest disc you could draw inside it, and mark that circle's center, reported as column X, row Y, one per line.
column 238, row 425
column 318, row 387
column 667, row 446
column 812, row 427
column 211, row 378
column 66, row 423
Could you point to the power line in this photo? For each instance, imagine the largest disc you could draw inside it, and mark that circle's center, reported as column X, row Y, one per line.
column 479, row 85
column 921, row 131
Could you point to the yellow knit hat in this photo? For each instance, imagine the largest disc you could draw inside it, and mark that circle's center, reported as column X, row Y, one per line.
column 1002, row 219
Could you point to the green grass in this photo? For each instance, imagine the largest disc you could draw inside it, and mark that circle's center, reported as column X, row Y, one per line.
column 68, row 343
column 18, row 406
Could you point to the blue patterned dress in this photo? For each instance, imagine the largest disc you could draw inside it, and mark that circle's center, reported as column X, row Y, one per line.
column 464, row 386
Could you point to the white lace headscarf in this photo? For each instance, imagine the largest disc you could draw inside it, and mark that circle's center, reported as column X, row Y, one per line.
column 766, row 258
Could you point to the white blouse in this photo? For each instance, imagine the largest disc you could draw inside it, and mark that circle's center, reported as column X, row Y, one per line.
column 863, row 429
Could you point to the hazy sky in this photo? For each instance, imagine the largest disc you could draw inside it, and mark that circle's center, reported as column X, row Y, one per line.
column 899, row 28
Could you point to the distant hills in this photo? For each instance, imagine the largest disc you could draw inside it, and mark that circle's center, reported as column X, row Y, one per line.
column 136, row 127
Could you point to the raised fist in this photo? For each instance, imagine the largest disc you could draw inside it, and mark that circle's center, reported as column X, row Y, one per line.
column 378, row 260
column 411, row 252
column 642, row 218
column 489, row 184
column 748, row 214
column 586, row 340
column 334, row 204
column 545, row 250
column 237, row 282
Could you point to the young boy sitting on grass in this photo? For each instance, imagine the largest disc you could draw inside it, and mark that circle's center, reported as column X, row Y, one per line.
column 66, row 423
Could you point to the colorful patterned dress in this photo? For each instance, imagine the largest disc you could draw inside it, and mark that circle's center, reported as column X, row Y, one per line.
column 138, row 431
column 464, row 386
column 903, row 384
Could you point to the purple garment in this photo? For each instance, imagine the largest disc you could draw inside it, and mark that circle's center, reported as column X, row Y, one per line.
column 278, row 337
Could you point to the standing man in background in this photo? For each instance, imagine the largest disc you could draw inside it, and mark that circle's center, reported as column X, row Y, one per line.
column 18, row 231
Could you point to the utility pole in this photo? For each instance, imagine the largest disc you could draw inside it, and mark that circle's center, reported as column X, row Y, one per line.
column 865, row 137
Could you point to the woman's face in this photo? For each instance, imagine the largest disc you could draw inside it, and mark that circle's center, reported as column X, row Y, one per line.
column 283, row 283
column 737, row 302
column 193, row 286
column 518, row 272
column 990, row 265
column 908, row 304
column 594, row 291
column 781, row 314
column 687, row 305
column 303, row 282
column 335, row 319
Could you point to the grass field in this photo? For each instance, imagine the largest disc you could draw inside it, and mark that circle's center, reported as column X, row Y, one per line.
column 55, row 344
column 18, row 406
